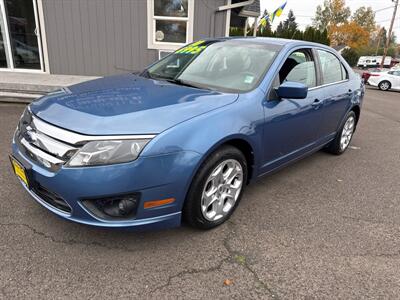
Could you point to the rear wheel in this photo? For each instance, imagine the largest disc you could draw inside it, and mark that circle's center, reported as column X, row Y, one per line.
column 344, row 135
column 384, row 85
column 216, row 189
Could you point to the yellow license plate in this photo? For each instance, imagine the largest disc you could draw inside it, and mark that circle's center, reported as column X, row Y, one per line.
column 19, row 170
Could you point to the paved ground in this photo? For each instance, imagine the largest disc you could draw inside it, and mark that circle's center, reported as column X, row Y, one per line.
column 327, row 227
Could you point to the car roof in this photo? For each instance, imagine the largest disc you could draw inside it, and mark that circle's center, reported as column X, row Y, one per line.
column 272, row 41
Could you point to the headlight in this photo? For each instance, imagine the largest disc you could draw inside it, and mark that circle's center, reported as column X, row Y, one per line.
column 107, row 152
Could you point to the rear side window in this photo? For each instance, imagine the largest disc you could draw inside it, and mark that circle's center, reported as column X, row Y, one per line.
column 332, row 69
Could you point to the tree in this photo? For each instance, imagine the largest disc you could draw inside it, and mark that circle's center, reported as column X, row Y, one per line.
column 279, row 30
column 351, row 56
column 350, row 34
column 365, row 17
column 288, row 28
column 290, row 25
column 332, row 13
column 314, row 35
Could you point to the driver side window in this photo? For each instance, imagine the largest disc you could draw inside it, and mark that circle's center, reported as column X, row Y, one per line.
column 298, row 67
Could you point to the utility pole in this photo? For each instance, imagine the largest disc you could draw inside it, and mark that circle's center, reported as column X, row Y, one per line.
column 379, row 41
column 396, row 4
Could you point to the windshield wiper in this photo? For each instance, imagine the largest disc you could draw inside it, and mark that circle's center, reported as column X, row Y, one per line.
column 146, row 74
column 177, row 81
column 185, row 83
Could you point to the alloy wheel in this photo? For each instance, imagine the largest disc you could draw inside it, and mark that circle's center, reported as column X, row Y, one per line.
column 384, row 85
column 221, row 190
column 347, row 133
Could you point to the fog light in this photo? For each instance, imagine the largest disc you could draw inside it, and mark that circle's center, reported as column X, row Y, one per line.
column 113, row 208
column 120, row 208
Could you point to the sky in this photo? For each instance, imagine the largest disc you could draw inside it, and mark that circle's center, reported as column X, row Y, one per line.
column 304, row 11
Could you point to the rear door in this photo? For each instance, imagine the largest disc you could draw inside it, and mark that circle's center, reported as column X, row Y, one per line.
column 336, row 91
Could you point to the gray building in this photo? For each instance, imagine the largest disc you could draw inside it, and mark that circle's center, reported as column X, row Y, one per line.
column 101, row 37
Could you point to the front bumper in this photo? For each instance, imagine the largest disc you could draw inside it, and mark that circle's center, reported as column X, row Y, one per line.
column 154, row 178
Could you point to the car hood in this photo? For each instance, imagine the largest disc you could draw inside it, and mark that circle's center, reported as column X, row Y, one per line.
column 126, row 104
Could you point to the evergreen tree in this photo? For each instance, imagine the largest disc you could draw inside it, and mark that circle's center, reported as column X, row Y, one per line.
column 290, row 25
column 279, row 30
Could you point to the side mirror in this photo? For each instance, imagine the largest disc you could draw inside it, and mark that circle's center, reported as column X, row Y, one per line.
column 292, row 90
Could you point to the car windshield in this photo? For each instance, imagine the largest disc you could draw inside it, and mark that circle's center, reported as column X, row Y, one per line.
column 227, row 66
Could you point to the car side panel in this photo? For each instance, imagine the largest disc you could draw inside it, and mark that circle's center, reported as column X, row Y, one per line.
column 291, row 127
column 205, row 133
column 336, row 101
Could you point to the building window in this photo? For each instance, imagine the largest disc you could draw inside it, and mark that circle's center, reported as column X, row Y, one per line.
column 170, row 23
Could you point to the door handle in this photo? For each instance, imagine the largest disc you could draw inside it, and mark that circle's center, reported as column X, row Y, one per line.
column 316, row 104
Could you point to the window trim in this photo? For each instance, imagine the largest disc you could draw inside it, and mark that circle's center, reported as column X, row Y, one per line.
column 290, row 52
column 316, row 57
column 151, row 26
column 320, row 66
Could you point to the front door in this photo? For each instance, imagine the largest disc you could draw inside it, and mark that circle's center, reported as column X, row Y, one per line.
column 20, row 45
column 291, row 125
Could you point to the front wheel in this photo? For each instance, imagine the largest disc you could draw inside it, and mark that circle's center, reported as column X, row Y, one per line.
column 216, row 189
column 344, row 135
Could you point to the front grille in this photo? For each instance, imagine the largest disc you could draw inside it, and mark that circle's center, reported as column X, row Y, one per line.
column 51, row 198
column 41, row 147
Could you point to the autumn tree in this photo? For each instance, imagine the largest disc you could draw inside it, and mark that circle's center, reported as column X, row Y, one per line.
column 331, row 13
column 350, row 34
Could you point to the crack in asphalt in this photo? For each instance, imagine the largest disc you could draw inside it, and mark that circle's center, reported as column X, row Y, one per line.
column 67, row 242
column 245, row 264
column 229, row 259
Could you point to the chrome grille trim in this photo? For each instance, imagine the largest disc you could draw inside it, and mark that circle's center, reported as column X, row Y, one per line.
column 41, row 154
column 53, row 146
column 76, row 138
column 49, row 144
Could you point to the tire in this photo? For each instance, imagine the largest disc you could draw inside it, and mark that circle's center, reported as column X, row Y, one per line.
column 384, row 85
column 344, row 135
column 213, row 183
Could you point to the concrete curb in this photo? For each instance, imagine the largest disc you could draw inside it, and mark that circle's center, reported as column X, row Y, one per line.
column 29, row 86
column 15, row 100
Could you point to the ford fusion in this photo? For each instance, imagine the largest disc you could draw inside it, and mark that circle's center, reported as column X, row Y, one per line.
column 182, row 139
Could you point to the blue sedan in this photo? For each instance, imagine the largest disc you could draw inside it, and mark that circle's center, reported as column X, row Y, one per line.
column 182, row 139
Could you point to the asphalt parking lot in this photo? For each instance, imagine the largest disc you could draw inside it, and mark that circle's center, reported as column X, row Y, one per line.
column 327, row 227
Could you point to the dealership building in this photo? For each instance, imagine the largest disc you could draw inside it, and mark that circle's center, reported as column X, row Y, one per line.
column 102, row 37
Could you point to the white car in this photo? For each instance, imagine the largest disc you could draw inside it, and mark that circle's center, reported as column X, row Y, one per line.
column 385, row 80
